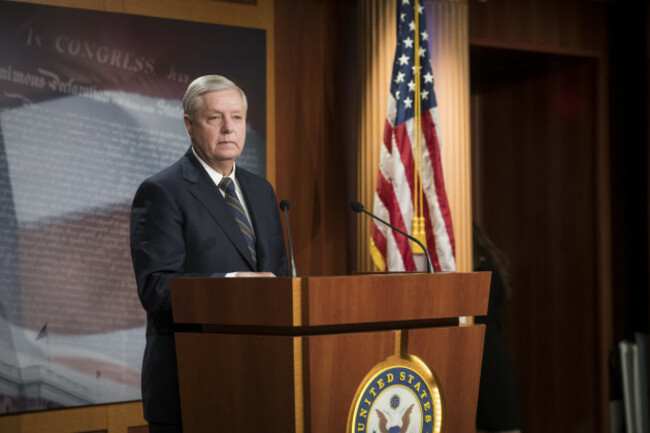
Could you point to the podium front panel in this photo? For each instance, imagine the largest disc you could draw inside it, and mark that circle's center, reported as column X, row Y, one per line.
column 236, row 383
column 252, row 383
column 454, row 355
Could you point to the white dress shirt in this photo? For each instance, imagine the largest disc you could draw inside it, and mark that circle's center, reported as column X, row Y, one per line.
column 216, row 178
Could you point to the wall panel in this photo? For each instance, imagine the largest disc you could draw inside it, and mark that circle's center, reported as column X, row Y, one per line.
column 315, row 112
column 536, row 117
column 567, row 26
column 559, row 319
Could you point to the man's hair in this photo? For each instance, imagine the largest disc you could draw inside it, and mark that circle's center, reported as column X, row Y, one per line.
column 204, row 84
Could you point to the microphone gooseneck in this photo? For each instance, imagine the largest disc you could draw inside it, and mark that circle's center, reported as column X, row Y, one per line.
column 358, row 207
column 284, row 206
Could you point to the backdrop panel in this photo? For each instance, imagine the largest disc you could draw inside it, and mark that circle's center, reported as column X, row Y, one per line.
column 89, row 107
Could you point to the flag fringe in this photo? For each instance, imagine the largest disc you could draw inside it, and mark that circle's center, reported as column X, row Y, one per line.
column 377, row 257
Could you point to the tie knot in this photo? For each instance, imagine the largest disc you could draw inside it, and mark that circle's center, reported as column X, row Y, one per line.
column 226, row 184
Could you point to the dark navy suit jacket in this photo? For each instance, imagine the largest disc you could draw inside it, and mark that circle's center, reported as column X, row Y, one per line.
column 181, row 226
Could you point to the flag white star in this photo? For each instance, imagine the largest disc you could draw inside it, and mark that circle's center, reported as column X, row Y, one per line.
column 405, row 2
column 401, row 17
column 420, row 9
column 425, row 36
column 397, row 95
column 412, row 25
column 408, row 42
column 428, row 78
column 422, row 51
column 411, row 85
column 408, row 102
column 424, row 94
column 413, row 69
column 400, row 77
column 404, row 59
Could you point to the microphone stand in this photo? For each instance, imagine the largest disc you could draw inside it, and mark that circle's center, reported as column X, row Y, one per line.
column 284, row 205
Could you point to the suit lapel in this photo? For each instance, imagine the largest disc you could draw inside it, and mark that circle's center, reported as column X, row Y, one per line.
column 207, row 193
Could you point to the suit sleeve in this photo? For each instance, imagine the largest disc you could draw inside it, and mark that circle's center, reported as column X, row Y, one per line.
column 157, row 246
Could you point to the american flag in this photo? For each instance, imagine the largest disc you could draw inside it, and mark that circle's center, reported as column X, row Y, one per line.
column 397, row 194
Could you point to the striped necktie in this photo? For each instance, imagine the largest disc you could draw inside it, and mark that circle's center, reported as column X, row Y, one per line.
column 228, row 186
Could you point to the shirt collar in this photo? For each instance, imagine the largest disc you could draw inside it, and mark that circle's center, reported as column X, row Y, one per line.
column 214, row 174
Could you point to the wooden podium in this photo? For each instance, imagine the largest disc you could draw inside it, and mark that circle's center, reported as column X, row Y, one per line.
column 288, row 355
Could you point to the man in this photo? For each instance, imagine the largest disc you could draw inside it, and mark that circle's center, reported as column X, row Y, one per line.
column 202, row 216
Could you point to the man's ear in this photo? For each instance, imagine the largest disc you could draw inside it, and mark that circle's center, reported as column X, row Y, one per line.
column 188, row 124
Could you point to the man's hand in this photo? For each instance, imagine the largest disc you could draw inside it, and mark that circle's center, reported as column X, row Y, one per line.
column 254, row 275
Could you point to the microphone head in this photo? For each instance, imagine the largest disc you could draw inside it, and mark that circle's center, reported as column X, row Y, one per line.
column 284, row 205
column 356, row 206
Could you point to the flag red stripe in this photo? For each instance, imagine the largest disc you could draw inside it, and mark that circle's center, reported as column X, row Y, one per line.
column 387, row 196
column 403, row 143
column 431, row 138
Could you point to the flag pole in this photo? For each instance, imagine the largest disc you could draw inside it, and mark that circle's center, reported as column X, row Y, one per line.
column 418, row 211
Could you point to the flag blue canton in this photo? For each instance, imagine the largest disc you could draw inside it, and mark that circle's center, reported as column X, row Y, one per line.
column 403, row 79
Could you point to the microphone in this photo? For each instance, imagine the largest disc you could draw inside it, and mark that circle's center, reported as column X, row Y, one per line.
column 358, row 208
column 284, row 206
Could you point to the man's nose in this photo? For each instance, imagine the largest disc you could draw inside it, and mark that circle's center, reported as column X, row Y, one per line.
column 226, row 126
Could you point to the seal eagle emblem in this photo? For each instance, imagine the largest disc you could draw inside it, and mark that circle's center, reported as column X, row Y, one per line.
column 399, row 395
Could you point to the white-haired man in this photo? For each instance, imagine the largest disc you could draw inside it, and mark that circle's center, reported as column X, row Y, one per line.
column 202, row 216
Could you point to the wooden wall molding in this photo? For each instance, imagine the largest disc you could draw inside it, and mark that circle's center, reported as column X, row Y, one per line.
column 111, row 418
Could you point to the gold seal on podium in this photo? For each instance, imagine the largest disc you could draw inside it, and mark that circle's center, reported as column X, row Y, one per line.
column 399, row 394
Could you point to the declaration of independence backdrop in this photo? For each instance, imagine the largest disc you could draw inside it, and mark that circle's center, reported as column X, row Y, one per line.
column 89, row 107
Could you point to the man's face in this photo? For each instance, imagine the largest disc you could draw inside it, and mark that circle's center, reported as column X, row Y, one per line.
column 218, row 128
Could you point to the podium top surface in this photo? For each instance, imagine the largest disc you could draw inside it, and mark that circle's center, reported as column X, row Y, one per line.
column 329, row 301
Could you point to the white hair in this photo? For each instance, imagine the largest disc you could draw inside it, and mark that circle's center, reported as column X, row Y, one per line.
column 204, row 84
